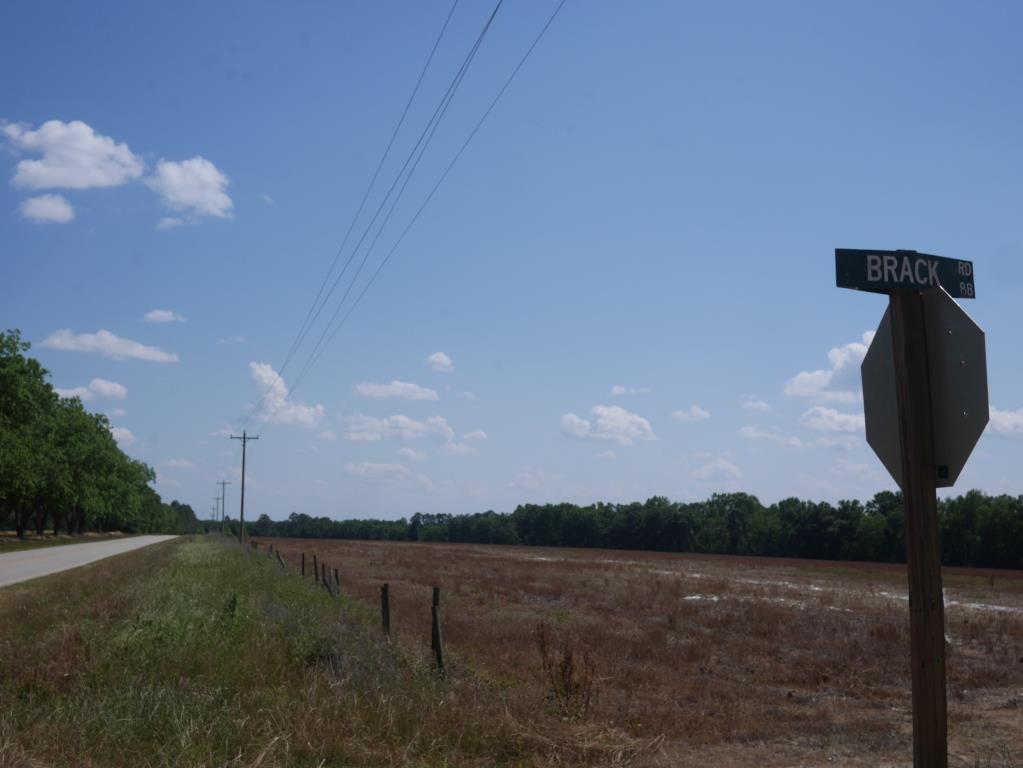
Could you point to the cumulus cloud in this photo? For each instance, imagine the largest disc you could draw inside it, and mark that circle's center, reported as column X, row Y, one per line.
column 774, row 436
column 169, row 222
column 619, row 390
column 122, row 435
column 194, row 186
column 47, row 209
column 178, row 464
column 440, row 362
column 839, row 382
column 528, row 479
column 609, row 455
column 275, row 407
column 412, row 454
column 1006, row 423
column 74, row 156
column 327, row 435
column 608, row 422
column 362, row 428
column 830, row 420
column 108, row 345
column 718, row 469
column 467, row 395
column 117, row 413
column 393, row 475
column 754, row 404
column 401, row 390
column 96, row 388
column 477, row 435
column 163, row 316
column 692, row 413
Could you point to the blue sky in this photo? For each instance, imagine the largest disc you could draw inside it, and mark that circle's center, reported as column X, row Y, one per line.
column 625, row 273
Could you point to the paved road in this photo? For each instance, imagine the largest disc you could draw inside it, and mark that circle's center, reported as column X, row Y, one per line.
column 32, row 563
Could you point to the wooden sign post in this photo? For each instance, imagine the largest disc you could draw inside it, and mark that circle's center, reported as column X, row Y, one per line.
column 925, row 370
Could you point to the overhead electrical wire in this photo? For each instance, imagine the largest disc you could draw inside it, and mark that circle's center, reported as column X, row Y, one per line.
column 414, row 156
column 307, row 323
column 417, row 152
column 314, row 357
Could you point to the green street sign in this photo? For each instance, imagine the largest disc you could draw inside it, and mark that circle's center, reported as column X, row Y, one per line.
column 886, row 271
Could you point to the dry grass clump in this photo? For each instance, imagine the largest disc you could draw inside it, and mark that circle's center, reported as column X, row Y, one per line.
column 685, row 656
column 199, row 654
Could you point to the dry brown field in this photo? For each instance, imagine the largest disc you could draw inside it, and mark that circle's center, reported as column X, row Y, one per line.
column 642, row 658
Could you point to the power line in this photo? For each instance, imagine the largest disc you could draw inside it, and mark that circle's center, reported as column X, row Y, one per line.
column 307, row 323
column 433, row 191
column 428, row 132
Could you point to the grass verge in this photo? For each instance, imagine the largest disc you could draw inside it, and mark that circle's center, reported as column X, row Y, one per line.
column 198, row 653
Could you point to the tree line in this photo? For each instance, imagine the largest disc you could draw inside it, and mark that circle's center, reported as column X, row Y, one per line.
column 976, row 529
column 60, row 466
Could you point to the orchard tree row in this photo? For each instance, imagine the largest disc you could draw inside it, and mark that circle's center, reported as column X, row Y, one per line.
column 60, row 467
column 976, row 529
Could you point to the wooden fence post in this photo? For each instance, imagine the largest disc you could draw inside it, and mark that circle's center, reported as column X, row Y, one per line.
column 337, row 581
column 280, row 561
column 433, row 630
column 438, row 645
column 385, row 608
column 316, row 568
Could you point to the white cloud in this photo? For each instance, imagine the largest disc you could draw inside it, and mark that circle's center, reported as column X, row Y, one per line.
column 362, row 428
column 754, row 404
column 274, row 406
column 47, row 209
column 458, row 449
column 394, row 475
column 412, row 454
column 269, row 200
column 1006, row 423
column 117, row 413
column 467, row 395
column 476, row 434
column 830, row 420
column 440, row 362
column 692, row 413
column 73, row 157
column 619, row 390
column 718, row 469
column 169, row 222
column 96, row 388
column 837, row 383
column 194, row 186
column 224, row 431
column 327, row 435
column 178, row 464
column 108, row 345
column 609, row 422
column 402, row 390
column 163, row 316
column 607, row 455
column 528, row 479
column 122, row 435
column 755, row 433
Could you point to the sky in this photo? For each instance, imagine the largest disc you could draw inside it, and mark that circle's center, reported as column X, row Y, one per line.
column 623, row 287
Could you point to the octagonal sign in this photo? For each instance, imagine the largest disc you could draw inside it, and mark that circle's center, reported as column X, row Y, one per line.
column 957, row 363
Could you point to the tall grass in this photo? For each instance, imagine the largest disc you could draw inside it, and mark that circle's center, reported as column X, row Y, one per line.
column 195, row 653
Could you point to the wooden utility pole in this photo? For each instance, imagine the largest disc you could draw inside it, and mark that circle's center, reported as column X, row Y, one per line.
column 223, row 503
column 241, row 515
column 923, row 551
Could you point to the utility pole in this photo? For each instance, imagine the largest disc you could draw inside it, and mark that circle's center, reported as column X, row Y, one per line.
column 241, row 516
column 223, row 503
